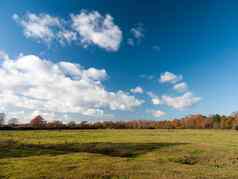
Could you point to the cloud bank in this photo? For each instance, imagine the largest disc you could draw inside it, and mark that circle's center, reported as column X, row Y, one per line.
column 32, row 83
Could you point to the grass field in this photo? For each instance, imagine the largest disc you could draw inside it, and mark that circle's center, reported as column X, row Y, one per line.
column 135, row 154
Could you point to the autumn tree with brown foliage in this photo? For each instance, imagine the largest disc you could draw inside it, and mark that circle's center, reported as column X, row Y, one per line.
column 38, row 122
column 197, row 121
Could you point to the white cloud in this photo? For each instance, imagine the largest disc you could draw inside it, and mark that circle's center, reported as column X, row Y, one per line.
column 35, row 84
column 49, row 116
column 97, row 29
column 67, row 36
column 181, row 102
column 87, row 28
column 137, row 33
column 4, row 56
column 148, row 77
column 137, row 89
column 158, row 113
column 96, row 74
column 169, row 77
column 40, row 27
column 156, row 101
column 181, row 87
column 154, row 98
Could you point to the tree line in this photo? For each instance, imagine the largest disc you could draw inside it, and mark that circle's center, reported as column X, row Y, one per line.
column 189, row 122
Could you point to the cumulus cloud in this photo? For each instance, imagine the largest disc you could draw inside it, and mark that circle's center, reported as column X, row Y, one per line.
column 137, row 89
column 181, row 87
column 41, row 27
column 169, row 77
column 154, row 98
column 86, row 28
column 181, row 102
column 32, row 83
column 157, row 113
column 97, row 29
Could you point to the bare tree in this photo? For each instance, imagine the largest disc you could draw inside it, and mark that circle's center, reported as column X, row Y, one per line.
column 2, row 118
column 12, row 121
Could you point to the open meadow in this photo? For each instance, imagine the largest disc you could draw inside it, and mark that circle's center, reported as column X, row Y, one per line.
column 165, row 154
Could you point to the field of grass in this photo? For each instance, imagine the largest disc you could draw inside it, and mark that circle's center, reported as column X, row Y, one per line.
column 134, row 154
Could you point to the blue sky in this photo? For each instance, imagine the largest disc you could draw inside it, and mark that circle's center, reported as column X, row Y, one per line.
column 125, row 45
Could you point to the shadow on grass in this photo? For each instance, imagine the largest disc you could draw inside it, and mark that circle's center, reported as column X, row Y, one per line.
column 13, row 149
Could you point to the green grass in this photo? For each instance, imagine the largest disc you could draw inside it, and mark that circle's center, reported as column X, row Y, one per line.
column 132, row 154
